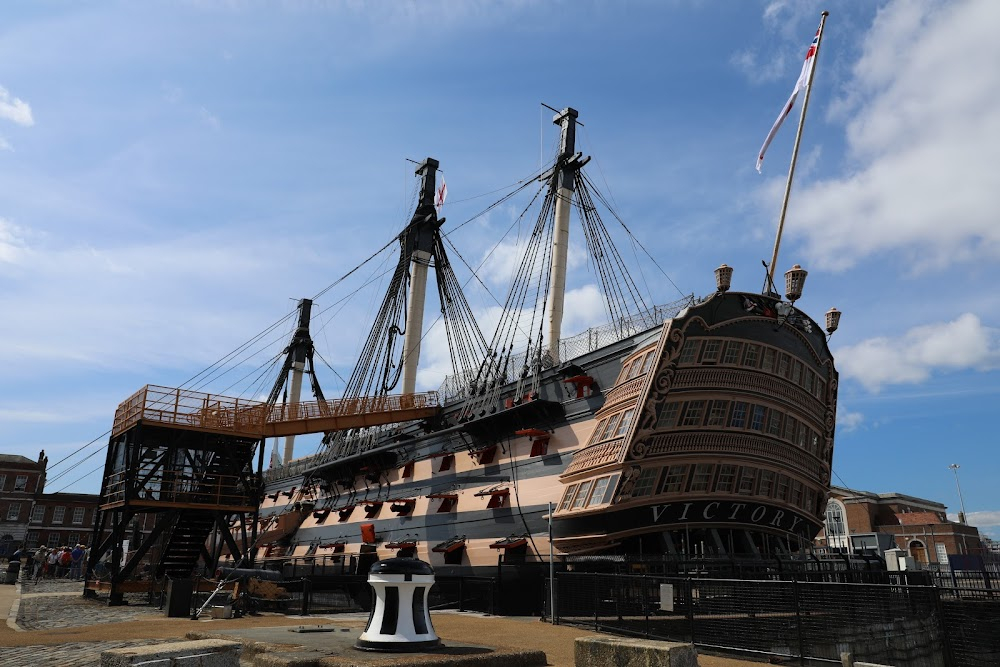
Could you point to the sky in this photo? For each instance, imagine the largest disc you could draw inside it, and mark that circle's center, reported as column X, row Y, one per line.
column 175, row 175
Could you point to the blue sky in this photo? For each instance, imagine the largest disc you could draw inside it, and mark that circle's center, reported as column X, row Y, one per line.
column 174, row 174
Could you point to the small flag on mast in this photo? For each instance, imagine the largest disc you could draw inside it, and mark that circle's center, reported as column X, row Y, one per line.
column 440, row 195
column 804, row 79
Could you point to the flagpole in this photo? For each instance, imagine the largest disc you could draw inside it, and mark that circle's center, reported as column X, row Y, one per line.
column 795, row 154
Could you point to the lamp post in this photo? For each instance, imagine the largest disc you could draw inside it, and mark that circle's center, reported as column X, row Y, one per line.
column 961, row 517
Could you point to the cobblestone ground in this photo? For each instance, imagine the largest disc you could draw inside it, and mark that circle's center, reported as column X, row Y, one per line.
column 76, row 654
column 60, row 604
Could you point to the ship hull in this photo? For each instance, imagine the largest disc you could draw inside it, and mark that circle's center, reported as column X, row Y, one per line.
column 638, row 448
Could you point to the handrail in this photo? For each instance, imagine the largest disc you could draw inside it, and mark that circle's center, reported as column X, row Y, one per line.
column 197, row 410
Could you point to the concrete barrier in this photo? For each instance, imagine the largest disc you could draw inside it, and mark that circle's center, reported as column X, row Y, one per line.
column 625, row 652
column 198, row 653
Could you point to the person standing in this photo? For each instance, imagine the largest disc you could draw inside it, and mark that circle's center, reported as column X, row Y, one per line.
column 76, row 561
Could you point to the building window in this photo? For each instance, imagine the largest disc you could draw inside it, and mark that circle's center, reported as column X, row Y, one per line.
column 689, row 352
column 597, row 497
column 581, row 495
column 3, row 482
column 748, row 476
column 800, row 435
column 693, row 413
column 732, row 355
column 13, row 511
column 674, row 481
column 701, row 479
column 810, row 500
column 739, row 418
column 766, row 483
column 809, row 380
column 53, row 540
column 645, row 481
column 757, row 417
column 567, row 497
column 20, row 482
column 717, row 413
column 751, row 356
column 797, row 372
column 836, row 525
column 31, row 539
column 58, row 513
column 626, row 369
column 710, row 354
column 942, row 553
column 727, row 475
column 78, row 517
column 668, row 418
column 38, row 513
column 74, row 539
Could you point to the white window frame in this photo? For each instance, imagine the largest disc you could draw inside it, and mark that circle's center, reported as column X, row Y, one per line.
column 78, row 515
column 37, row 514
column 13, row 511
column 21, row 483
column 58, row 514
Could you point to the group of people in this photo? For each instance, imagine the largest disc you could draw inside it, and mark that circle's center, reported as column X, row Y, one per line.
column 53, row 563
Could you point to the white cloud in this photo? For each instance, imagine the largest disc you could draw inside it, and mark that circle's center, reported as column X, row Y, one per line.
column 15, row 109
column 11, row 243
column 5, row 145
column 849, row 421
column 964, row 343
column 209, row 118
column 923, row 108
column 987, row 521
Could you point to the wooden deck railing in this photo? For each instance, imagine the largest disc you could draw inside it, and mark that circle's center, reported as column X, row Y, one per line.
column 183, row 408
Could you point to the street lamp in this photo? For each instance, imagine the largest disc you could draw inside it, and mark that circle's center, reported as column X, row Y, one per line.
column 961, row 517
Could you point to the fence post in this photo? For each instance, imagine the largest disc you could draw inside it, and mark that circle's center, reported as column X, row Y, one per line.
column 690, row 611
column 306, row 595
column 798, row 620
column 597, row 600
column 949, row 659
column 461, row 593
column 645, row 602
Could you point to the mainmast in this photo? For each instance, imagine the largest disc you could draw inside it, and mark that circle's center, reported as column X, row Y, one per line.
column 563, row 184
column 419, row 245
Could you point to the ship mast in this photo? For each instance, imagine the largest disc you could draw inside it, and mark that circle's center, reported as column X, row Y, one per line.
column 419, row 243
column 563, row 184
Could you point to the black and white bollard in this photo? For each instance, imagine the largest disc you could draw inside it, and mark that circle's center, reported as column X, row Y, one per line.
column 400, row 620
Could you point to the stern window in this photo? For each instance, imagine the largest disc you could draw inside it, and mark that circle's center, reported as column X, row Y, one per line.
column 674, row 482
column 581, row 495
column 644, row 483
column 702, row 477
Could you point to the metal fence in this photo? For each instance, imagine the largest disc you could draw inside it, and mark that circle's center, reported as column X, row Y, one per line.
column 809, row 621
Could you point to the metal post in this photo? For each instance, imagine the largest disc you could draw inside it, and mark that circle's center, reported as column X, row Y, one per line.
column 798, row 620
column 552, row 572
column 690, row 611
column 306, row 595
column 954, row 468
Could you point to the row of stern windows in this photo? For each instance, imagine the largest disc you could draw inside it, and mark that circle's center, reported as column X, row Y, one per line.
column 755, row 356
column 728, row 479
column 721, row 413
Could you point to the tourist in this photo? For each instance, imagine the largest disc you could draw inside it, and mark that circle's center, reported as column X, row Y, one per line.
column 38, row 562
column 51, row 562
column 76, row 561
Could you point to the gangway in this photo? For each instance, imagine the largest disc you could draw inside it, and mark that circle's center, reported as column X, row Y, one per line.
column 187, row 458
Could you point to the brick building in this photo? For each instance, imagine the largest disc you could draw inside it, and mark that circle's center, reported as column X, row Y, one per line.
column 865, row 521
column 31, row 517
